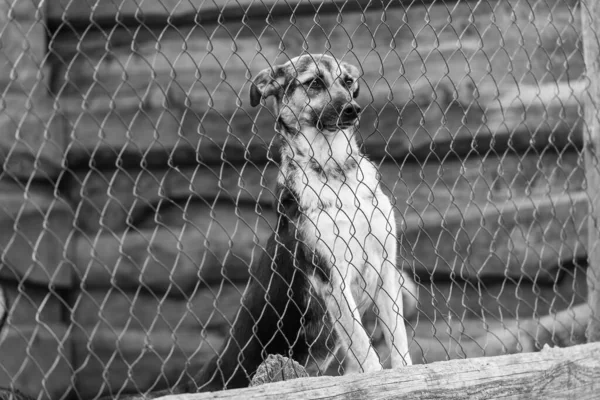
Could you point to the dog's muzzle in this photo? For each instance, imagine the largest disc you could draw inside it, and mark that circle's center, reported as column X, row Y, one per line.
column 350, row 113
column 334, row 118
column 348, row 116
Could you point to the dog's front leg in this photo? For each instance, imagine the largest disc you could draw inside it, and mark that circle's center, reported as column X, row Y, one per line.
column 346, row 319
column 390, row 305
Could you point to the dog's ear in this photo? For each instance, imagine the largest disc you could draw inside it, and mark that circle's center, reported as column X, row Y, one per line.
column 264, row 85
column 354, row 72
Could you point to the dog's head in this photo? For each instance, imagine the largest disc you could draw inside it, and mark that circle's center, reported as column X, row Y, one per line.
column 313, row 90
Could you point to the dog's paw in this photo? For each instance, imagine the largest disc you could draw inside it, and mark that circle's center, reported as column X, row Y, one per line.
column 354, row 367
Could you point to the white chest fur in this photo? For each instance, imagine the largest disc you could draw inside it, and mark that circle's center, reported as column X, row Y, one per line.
column 348, row 220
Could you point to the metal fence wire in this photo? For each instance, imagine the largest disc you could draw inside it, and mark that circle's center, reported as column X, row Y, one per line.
column 140, row 187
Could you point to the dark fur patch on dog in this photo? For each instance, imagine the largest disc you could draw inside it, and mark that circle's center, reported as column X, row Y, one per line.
column 304, row 323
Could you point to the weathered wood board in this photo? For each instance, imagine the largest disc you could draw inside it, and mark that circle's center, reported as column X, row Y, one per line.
column 525, row 238
column 107, row 13
column 113, row 362
column 23, row 42
column 109, row 199
column 500, row 299
column 212, row 308
column 213, row 246
column 36, row 359
column 553, row 373
column 36, row 228
column 73, row 11
column 549, row 114
column 32, row 136
column 106, row 199
column 427, row 83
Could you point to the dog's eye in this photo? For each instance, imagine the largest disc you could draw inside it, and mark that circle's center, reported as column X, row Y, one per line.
column 348, row 82
column 316, row 83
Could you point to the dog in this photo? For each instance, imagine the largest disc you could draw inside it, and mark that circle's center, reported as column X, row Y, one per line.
column 333, row 251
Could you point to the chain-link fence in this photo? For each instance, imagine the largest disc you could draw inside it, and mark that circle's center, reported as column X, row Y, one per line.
column 141, row 188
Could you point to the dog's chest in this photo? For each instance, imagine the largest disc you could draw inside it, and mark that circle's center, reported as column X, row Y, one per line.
column 349, row 217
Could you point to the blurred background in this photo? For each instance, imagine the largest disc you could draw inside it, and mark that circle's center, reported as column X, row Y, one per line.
column 136, row 184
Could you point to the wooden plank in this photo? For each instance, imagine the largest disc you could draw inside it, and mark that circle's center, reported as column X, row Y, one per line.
column 214, row 245
column 127, row 130
column 115, row 362
column 23, row 42
column 553, row 373
column 500, row 299
column 546, row 114
column 108, row 198
column 211, row 308
column 32, row 137
column 36, row 359
column 524, row 238
column 420, row 95
column 159, row 13
column 590, row 12
column 36, row 232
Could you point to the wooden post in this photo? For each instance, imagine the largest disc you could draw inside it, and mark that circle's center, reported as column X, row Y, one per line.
column 590, row 22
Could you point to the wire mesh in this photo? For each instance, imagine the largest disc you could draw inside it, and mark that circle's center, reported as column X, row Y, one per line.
column 141, row 188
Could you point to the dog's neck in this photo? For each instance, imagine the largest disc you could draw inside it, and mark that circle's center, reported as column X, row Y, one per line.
column 321, row 151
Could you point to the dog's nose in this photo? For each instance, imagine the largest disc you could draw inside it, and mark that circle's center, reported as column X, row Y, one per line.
column 351, row 111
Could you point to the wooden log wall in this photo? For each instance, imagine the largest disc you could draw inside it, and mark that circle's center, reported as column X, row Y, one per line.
column 137, row 181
